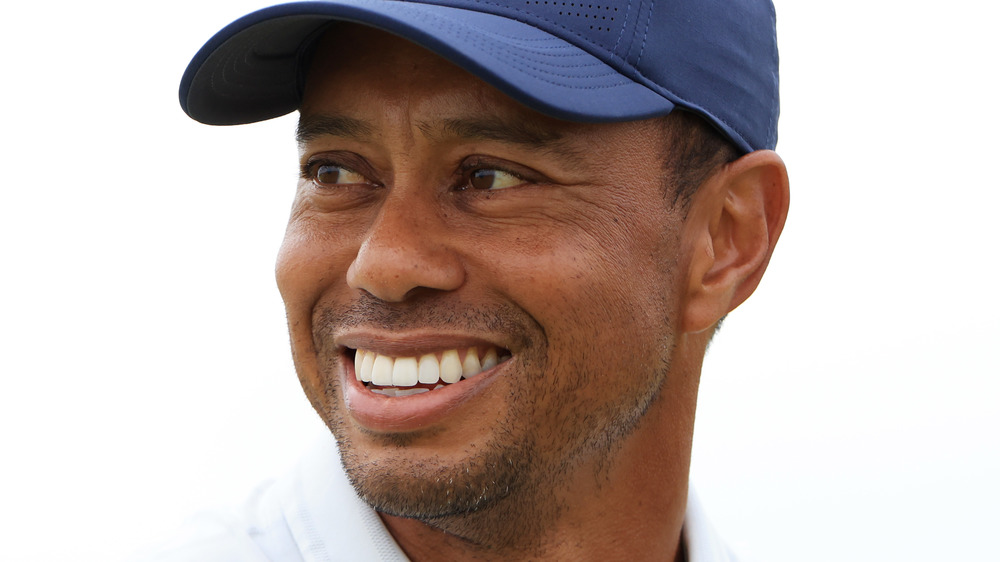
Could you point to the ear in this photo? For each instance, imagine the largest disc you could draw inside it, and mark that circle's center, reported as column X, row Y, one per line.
column 733, row 224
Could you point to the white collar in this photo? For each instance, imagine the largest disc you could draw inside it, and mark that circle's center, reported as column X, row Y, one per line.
column 319, row 498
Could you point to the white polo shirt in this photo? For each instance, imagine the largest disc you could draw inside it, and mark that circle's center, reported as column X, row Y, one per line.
column 313, row 515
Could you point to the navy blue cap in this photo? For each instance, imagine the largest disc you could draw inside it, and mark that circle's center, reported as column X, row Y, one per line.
column 590, row 61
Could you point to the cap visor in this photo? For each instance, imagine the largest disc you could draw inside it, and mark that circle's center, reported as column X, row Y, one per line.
column 252, row 70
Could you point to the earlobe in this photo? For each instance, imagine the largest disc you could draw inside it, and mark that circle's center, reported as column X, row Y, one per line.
column 733, row 224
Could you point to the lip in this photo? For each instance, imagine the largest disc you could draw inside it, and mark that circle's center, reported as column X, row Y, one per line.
column 392, row 414
column 413, row 344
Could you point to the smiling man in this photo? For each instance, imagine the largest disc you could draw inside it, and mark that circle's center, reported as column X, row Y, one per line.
column 517, row 227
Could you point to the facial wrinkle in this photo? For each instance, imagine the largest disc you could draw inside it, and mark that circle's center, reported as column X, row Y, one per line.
column 312, row 127
column 514, row 131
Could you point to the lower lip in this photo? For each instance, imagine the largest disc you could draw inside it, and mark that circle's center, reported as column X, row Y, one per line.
column 395, row 414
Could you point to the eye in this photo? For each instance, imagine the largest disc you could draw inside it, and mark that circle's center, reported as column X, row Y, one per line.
column 328, row 174
column 491, row 179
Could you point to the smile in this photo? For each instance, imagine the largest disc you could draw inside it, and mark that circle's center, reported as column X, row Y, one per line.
column 407, row 376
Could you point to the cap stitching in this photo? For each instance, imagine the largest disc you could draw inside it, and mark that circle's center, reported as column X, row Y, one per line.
column 540, row 73
column 628, row 10
column 543, row 73
column 534, row 15
column 557, row 42
column 631, row 43
column 534, row 65
column 645, row 33
column 552, row 59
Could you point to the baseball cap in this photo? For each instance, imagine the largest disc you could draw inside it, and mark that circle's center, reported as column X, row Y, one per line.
column 589, row 60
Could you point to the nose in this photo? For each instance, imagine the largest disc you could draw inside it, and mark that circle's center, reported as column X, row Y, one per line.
column 407, row 247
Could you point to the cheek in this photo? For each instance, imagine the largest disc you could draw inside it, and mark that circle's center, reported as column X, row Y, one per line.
column 308, row 266
column 609, row 276
column 310, row 261
column 292, row 271
column 606, row 306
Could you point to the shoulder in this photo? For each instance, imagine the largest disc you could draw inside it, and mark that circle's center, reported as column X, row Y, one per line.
column 310, row 514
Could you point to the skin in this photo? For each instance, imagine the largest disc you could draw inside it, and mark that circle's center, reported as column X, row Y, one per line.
column 604, row 293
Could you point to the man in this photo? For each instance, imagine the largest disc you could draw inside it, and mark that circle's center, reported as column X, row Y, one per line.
column 517, row 227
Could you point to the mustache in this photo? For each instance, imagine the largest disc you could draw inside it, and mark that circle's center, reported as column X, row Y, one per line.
column 426, row 312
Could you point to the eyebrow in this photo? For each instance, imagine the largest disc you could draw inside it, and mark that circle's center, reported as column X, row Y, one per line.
column 311, row 127
column 518, row 132
column 512, row 131
column 495, row 129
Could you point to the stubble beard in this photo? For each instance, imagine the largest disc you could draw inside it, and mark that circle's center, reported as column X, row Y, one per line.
column 506, row 495
column 498, row 498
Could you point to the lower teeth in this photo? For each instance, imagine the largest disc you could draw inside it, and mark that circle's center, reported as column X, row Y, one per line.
column 400, row 391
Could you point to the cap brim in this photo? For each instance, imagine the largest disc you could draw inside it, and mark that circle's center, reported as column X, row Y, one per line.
column 253, row 69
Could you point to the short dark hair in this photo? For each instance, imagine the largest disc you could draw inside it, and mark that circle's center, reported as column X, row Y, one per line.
column 693, row 150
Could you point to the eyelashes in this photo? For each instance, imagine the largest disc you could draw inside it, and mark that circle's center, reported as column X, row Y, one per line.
column 328, row 174
column 474, row 174
column 491, row 179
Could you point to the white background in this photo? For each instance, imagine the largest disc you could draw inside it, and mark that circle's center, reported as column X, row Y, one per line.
column 848, row 410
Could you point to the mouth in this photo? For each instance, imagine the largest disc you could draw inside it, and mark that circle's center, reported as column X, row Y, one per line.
column 419, row 373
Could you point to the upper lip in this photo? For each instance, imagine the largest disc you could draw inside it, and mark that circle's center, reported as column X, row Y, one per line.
column 413, row 342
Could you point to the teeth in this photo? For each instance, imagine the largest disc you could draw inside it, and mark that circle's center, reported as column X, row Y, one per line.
column 393, row 391
column 366, row 366
column 451, row 367
column 411, row 391
column 490, row 360
column 382, row 370
column 471, row 366
column 404, row 371
column 396, row 375
column 429, row 370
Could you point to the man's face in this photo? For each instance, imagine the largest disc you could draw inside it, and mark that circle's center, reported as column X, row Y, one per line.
column 435, row 215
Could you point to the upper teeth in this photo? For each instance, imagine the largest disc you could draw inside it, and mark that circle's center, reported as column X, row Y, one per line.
column 383, row 370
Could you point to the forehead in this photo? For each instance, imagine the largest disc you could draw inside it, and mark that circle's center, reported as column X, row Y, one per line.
column 359, row 68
